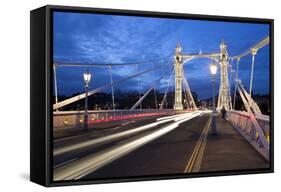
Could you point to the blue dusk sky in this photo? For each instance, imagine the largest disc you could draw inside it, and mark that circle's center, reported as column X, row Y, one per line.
column 108, row 39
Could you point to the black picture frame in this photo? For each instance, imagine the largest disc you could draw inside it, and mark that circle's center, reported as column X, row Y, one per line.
column 41, row 55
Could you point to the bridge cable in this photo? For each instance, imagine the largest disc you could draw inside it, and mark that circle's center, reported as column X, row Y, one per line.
column 82, row 96
column 66, row 64
column 155, row 98
column 256, row 47
column 166, row 91
column 112, row 89
column 188, row 92
column 236, row 78
column 229, row 81
column 254, row 52
column 248, row 101
column 146, row 93
column 138, row 83
column 56, row 85
column 254, row 121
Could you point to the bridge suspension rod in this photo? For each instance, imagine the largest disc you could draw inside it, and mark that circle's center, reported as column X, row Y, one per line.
column 112, row 88
column 56, row 85
column 189, row 96
column 166, row 91
column 138, row 82
column 254, row 121
column 142, row 98
column 146, row 93
column 248, row 101
column 230, row 83
column 82, row 96
column 254, row 52
column 252, row 104
column 154, row 90
column 236, row 78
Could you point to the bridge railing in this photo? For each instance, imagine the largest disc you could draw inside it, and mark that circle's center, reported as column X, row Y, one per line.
column 243, row 122
column 71, row 119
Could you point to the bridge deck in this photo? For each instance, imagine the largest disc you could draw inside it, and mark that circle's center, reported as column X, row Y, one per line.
column 184, row 149
column 228, row 150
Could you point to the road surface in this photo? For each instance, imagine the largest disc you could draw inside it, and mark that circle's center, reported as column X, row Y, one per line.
column 139, row 147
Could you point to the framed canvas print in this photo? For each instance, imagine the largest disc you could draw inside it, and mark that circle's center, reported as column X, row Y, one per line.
column 123, row 95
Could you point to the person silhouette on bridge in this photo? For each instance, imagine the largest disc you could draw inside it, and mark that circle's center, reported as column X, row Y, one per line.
column 223, row 111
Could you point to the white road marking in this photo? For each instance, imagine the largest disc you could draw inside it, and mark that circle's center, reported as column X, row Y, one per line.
column 113, row 137
column 170, row 117
column 86, row 165
column 64, row 163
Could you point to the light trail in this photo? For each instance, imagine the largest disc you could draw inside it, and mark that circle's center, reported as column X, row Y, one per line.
column 86, row 165
column 115, row 136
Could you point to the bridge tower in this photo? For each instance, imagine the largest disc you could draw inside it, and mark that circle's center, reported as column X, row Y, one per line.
column 224, row 91
column 178, row 64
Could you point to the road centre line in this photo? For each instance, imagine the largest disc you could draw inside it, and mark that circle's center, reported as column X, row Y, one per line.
column 197, row 154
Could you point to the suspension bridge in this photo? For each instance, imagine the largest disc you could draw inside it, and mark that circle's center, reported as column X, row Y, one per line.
column 138, row 141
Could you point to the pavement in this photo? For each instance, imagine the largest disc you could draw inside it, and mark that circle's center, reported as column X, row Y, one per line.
column 153, row 146
column 228, row 150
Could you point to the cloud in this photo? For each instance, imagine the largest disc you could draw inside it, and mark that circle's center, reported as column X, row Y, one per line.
column 93, row 38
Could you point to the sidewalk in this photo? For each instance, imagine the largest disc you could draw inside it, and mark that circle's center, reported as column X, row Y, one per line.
column 228, row 150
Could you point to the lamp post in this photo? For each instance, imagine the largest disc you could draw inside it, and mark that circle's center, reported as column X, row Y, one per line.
column 87, row 79
column 213, row 71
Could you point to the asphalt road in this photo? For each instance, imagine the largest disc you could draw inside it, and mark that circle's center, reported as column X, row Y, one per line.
column 168, row 154
column 136, row 148
column 99, row 131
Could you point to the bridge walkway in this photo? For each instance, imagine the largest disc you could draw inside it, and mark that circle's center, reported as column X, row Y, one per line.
column 228, row 150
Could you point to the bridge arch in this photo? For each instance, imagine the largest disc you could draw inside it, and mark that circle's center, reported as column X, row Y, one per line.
column 220, row 58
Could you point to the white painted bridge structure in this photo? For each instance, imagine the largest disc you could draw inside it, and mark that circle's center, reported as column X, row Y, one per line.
column 251, row 123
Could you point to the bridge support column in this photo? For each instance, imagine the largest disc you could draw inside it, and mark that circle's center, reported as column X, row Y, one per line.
column 178, row 78
column 224, row 95
column 254, row 52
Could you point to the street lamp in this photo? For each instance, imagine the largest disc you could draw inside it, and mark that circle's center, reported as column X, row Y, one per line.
column 87, row 79
column 213, row 71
